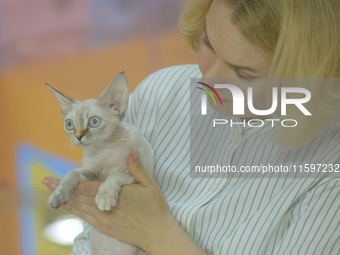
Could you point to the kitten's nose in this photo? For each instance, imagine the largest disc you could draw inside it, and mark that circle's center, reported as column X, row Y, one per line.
column 79, row 136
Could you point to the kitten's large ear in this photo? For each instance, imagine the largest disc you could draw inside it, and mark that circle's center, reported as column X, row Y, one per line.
column 65, row 102
column 115, row 97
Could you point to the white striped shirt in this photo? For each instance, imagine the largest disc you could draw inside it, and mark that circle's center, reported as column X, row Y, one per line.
column 232, row 215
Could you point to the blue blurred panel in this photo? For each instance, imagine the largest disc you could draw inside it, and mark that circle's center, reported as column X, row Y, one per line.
column 29, row 157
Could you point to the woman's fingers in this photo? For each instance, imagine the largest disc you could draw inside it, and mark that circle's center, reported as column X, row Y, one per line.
column 78, row 200
column 84, row 211
column 89, row 188
column 85, row 208
column 51, row 182
column 51, row 179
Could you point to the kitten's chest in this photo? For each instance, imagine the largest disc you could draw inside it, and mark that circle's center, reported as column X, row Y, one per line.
column 106, row 161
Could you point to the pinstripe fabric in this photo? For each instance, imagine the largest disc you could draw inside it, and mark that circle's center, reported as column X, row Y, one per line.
column 231, row 215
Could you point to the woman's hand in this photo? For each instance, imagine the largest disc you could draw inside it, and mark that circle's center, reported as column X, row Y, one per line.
column 141, row 216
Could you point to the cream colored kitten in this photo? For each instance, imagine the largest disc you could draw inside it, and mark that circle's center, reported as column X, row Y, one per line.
column 96, row 125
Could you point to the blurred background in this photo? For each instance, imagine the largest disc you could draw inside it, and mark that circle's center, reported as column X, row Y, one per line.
column 77, row 46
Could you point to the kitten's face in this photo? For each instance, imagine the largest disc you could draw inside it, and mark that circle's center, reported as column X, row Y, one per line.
column 88, row 123
column 93, row 121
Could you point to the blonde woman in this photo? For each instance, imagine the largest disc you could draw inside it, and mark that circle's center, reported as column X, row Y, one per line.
column 177, row 214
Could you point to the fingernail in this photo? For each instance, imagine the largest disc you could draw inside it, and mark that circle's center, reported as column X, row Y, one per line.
column 46, row 182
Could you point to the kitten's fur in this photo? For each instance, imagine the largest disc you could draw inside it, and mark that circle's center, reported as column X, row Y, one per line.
column 96, row 125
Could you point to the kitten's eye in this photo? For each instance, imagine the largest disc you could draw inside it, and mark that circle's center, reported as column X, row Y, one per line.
column 69, row 124
column 95, row 122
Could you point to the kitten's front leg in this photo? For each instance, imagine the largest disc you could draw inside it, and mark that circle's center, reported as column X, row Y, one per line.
column 67, row 185
column 107, row 195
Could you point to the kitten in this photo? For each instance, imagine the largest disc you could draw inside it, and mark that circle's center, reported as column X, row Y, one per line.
column 96, row 125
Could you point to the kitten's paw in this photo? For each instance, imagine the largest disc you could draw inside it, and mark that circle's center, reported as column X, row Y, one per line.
column 58, row 198
column 106, row 200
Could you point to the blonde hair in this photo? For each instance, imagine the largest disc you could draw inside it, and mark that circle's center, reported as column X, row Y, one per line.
column 303, row 38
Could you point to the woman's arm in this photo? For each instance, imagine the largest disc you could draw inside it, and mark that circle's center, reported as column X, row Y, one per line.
column 141, row 216
column 173, row 240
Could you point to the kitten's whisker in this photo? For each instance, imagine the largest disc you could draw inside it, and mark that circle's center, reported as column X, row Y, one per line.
column 69, row 145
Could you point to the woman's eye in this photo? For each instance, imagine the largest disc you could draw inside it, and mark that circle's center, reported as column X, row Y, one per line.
column 95, row 122
column 69, row 124
column 239, row 75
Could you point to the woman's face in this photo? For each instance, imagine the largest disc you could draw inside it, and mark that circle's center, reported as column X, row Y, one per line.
column 225, row 53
